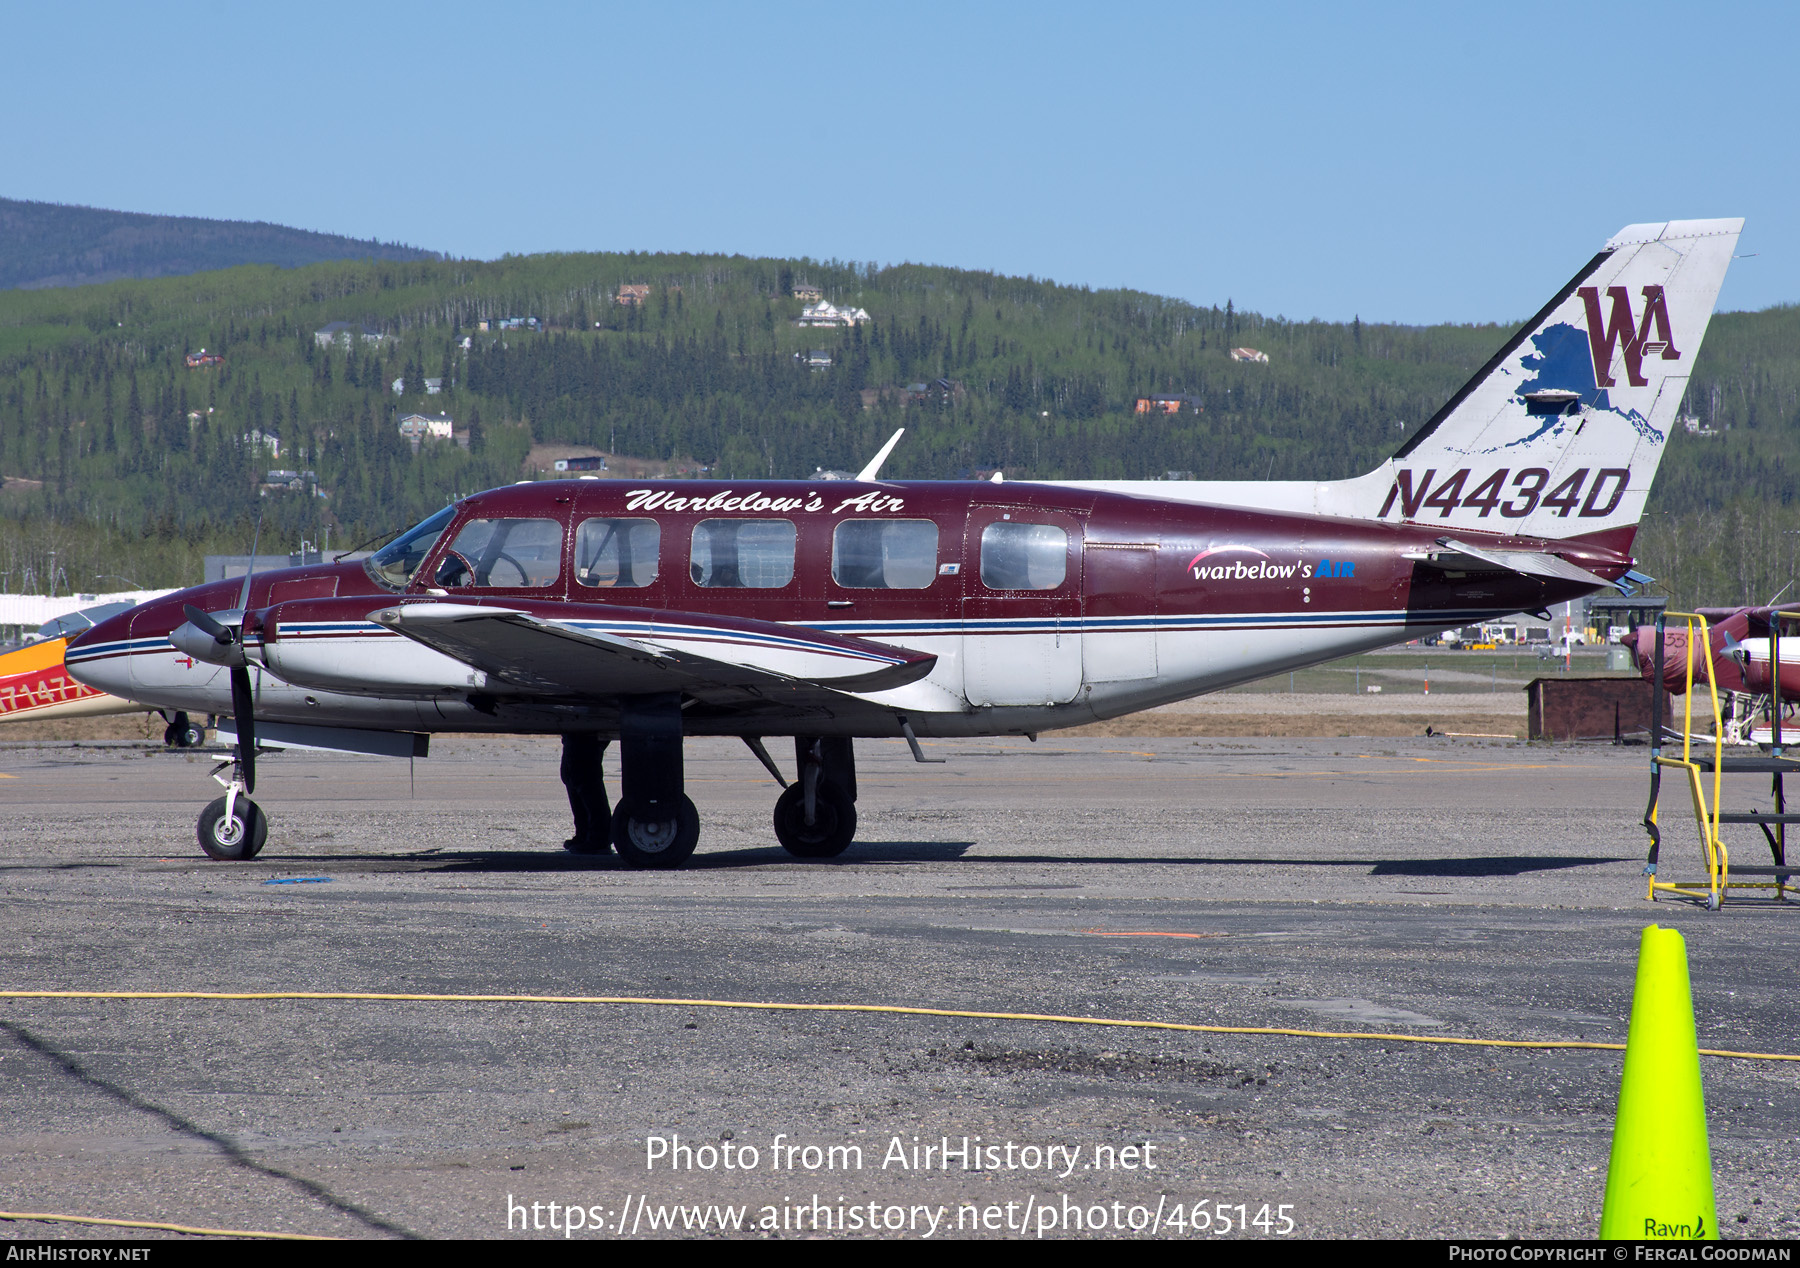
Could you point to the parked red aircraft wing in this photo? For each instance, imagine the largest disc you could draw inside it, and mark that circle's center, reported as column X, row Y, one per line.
column 562, row 648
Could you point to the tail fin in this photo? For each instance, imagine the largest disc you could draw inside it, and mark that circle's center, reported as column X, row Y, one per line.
column 1560, row 434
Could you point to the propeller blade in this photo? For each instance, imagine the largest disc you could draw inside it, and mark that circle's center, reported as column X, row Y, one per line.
column 243, row 707
column 204, row 621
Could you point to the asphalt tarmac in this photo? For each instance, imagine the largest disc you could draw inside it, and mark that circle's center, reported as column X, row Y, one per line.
column 1419, row 887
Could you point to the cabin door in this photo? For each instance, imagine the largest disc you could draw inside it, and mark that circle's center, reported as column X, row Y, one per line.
column 1021, row 574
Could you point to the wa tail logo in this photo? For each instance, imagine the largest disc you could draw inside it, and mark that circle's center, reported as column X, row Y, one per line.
column 1631, row 339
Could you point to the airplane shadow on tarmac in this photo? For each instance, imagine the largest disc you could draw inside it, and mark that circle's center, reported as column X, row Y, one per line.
column 508, row 861
column 1500, row 865
column 519, row 862
column 878, row 852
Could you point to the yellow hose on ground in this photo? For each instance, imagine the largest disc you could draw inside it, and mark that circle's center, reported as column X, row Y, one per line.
column 48, row 1218
column 900, row 1009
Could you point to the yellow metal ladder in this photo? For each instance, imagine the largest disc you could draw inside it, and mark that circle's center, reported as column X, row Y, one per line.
column 1712, row 759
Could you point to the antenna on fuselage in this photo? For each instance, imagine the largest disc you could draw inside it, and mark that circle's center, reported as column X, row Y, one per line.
column 250, row 567
column 870, row 472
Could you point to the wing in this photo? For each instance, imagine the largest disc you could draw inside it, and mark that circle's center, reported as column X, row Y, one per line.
column 562, row 650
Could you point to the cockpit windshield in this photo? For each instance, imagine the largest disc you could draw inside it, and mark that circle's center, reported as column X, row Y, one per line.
column 73, row 623
column 395, row 563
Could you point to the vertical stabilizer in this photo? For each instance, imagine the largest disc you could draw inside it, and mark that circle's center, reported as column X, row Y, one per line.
column 1561, row 432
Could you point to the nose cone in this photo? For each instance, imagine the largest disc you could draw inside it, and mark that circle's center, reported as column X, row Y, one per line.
column 100, row 657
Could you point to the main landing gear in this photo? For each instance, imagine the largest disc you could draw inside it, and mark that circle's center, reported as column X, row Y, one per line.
column 815, row 816
column 183, row 733
column 654, row 824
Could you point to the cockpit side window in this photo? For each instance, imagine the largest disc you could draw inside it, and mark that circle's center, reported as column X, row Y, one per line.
column 884, row 554
column 617, row 552
column 742, row 554
column 395, row 563
column 510, row 554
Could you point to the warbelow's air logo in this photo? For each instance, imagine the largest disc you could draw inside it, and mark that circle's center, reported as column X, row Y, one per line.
column 1630, row 336
column 1263, row 569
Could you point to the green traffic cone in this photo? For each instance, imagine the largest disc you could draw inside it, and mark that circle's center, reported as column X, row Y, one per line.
column 1659, row 1185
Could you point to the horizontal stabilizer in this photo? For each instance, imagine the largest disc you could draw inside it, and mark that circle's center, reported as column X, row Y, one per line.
column 1460, row 556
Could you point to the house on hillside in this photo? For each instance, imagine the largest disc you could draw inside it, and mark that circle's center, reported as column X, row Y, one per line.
column 417, row 427
column 286, row 481
column 432, row 386
column 342, row 332
column 195, row 360
column 1169, row 403
column 825, row 313
column 1249, row 354
column 808, row 292
column 936, row 392
column 631, row 294
column 815, row 360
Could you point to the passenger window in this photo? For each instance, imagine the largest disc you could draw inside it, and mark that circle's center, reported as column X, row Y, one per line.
column 884, row 554
column 1023, row 556
column 508, row 554
column 618, row 553
column 743, row 554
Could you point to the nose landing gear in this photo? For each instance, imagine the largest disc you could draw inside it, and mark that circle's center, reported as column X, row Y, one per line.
column 232, row 828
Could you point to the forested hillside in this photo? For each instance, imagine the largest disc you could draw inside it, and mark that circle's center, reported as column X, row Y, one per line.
column 125, row 461
column 50, row 244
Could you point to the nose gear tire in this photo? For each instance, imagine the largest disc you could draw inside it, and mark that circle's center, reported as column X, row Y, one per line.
column 234, row 839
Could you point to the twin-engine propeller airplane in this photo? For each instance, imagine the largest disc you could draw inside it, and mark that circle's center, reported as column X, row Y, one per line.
column 604, row 610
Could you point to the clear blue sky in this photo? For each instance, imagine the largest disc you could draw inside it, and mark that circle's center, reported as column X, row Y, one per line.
column 1411, row 163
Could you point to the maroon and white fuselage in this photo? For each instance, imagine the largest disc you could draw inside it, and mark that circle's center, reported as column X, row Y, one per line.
column 1133, row 603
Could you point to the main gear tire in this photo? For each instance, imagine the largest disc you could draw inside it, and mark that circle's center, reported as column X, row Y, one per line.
column 833, row 826
column 188, row 733
column 661, row 835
